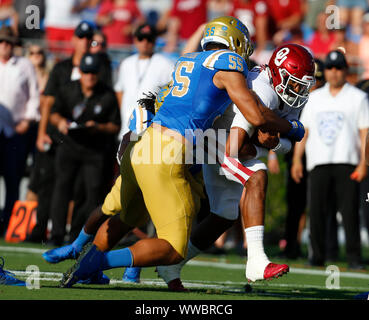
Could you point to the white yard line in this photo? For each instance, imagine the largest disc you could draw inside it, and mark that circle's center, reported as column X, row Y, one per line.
column 207, row 264
column 21, row 249
column 223, row 265
column 216, row 285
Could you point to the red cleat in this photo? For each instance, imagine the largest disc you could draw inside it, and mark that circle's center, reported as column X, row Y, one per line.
column 273, row 270
column 264, row 271
column 177, row 286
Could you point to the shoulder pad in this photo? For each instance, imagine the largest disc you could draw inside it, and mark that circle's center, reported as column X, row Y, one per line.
column 191, row 55
column 226, row 60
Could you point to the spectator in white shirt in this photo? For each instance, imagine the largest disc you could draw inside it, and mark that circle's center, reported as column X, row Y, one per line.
column 19, row 103
column 143, row 72
column 61, row 19
column 336, row 120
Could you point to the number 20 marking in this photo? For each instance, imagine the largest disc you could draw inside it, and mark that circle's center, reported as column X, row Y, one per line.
column 183, row 81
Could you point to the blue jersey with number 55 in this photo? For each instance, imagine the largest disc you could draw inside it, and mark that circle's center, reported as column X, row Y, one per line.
column 193, row 101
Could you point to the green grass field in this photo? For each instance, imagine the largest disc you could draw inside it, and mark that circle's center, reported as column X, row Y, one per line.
column 209, row 277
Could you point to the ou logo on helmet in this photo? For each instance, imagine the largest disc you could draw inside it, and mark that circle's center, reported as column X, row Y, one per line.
column 281, row 56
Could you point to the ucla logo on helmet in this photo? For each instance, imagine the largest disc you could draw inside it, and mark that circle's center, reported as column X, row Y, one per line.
column 240, row 26
column 223, row 31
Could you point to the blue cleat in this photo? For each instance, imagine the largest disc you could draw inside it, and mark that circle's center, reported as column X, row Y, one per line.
column 7, row 278
column 60, row 254
column 98, row 278
column 87, row 264
column 132, row 274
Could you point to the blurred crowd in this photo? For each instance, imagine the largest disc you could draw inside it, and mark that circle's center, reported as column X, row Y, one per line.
column 321, row 25
column 48, row 33
column 316, row 24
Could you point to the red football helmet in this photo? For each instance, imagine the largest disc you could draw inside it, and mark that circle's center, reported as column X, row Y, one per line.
column 292, row 69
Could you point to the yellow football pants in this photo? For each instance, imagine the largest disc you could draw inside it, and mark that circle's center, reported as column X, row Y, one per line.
column 155, row 177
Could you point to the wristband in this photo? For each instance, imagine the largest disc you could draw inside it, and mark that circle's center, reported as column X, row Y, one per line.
column 283, row 146
column 272, row 156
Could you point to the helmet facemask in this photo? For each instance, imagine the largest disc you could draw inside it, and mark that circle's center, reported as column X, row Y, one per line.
column 292, row 90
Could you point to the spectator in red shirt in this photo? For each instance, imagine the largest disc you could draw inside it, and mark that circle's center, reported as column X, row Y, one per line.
column 118, row 18
column 88, row 10
column 254, row 14
column 323, row 40
column 364, row 52
column 286, row 15
column 184, row 19
column 60, row 22
column 219, row 8
column 8, row 15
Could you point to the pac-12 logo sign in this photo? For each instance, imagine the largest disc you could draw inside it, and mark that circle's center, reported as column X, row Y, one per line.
column 281, row 56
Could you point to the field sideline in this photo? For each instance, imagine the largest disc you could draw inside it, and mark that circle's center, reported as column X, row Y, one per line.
column 208, row 277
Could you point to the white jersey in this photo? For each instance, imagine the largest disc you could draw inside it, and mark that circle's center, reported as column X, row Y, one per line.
column 224, row 195
column 258, row 80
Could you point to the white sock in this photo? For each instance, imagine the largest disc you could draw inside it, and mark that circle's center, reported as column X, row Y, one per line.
column 192, row 252
column 171, row 272
column 255, row 246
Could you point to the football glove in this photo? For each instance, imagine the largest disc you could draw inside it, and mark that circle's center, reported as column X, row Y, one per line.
column 297, row 131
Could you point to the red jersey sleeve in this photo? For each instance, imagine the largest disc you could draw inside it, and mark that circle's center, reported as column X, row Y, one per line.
column 105, row 8
column 6, row 3
column 136, row 13
column 174, row 10
column 295, row 7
